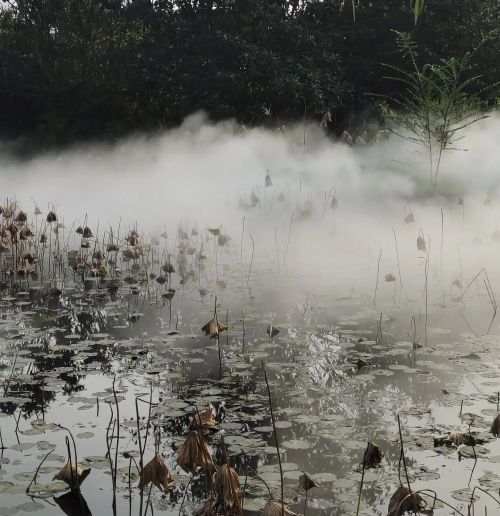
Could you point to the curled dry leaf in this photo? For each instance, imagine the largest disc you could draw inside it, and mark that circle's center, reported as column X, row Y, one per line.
column 272, row 331
column 274, row 508
column 495, row 427
column 203, row 419
column 213, row 328
column 194, row 455
column 73, row 476
column 157, row 472
column 404, row 500
column 306, row 482
column 227, row 488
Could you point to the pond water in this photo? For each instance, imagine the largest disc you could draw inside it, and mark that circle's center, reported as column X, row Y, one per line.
column 346, row 363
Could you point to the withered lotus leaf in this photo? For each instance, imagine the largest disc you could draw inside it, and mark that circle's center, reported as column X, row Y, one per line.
column 274, row 508
column 372, row 457
column 306, row 482
column 456, row 439
column 421, row 245
column 410, row 218
column 194, row 455
column 213, row 328
column 390, row 277
column 227, row 487
column 168, row 268
column 404, row 500
column 157, row 472
column 209, row 508
column 51, row 217
column 203, row 419
column 495, row 427
column 214, row 231
column 87, row 233
column 73, row 476
column 272, row 331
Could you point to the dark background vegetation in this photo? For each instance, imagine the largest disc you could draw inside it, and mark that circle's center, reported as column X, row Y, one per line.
column 73, row 70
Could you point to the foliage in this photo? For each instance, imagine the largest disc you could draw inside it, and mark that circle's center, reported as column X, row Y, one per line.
column 439, row 101
column 79, row 69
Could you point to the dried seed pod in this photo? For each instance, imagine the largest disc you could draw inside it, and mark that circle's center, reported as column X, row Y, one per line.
column 404, row 500
column 227, row 488
column 157, row 472
column 73, row 476
column 213, row 328
column 51, row 217
column 194, row 455
column 306, row 482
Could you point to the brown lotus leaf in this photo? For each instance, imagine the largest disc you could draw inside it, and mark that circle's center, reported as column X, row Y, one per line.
column 421, row 245
column 213, row 328
column 157, row 472
column 203, row 419
column 227, row 488
column 274, row 508
column 194, row 455
column 404, row 500
column 306, row 482
column 495, row 427
column 272, row 330
column 214, row 231
column 73, row 476
column 371, row 458
column 51, row 217
column 390, row 277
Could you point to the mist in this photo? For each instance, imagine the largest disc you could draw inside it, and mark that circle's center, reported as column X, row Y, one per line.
column 204, row 174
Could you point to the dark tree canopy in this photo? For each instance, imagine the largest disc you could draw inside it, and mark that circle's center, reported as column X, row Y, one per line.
column 80, row 69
